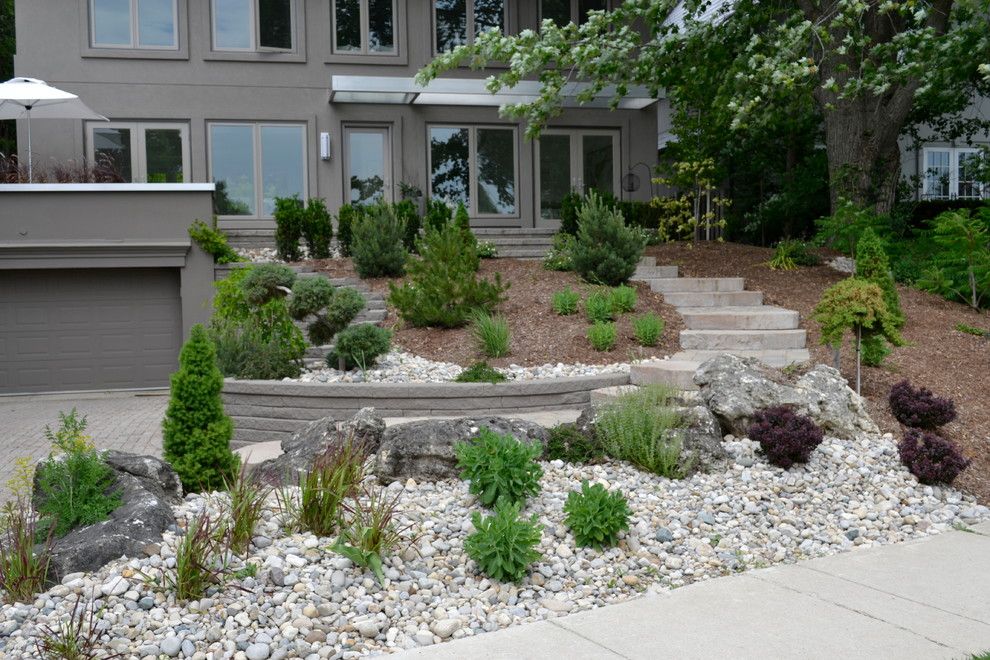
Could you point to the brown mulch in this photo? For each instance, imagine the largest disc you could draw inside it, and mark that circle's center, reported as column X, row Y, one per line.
column 949, row 362
column 538, row 335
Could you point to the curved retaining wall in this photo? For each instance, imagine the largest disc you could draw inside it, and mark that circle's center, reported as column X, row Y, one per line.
column 266, row 411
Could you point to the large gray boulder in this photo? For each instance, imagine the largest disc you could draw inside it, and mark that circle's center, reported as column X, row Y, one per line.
column 148, row 487
column 300, row 449
column 735, row 388
column 424, row 450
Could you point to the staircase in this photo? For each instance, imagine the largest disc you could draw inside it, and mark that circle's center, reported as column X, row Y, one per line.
column 720, row 316
column 250, row 239
column 518, row 243
column 374, row 312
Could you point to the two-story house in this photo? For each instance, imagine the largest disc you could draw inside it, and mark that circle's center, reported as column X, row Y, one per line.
column 317, row 98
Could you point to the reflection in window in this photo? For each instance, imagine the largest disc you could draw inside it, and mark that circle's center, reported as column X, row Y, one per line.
column 252, row 24
column 496, row 171
column 969, row 186
column 133, row 24
column 449, row 155
column 366, row 165
column 599, row 169
column 458, row 22
column 141, row 151
column 232, row 167
column 112, row 149
column 563, row 12
column 163, row 155
column 937, row 174
column 476, row 166
column 232, row 24
column 275, row 24
column 347, row 25
column 555, row 173
column 364, row 26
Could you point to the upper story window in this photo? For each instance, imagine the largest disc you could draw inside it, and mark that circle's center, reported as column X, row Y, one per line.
column 457, row 22
column 363, row 26
column 134, row 24
column 952, row 173
column 253, row 25
column 563, row 12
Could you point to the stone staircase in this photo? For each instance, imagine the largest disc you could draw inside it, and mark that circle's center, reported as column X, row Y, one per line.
column 374, row 311
column 720, row 316
column 250, row 239
column 518, row 243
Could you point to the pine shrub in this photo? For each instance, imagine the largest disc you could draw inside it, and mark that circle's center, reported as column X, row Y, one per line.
column 931, row 458
column 360, row 346
column 607, row 251
column 347, row 217
column 602, row 336
column 595, row 516
column 569, row 206
column 872, row 265
column 481, row 372
column 463, row 222
column 648, row 329
column 332, row 309
column 213, row 242
column 265, row 282
column 920, row 408
column 409, row 218
column 504, row 544
column 442, row 288
column 196, row 432
column 317, row 229
column 785, row 436
column 565, row 302
column 377, row 247
column 438, row 215
column 290, row 219
column 499, row 466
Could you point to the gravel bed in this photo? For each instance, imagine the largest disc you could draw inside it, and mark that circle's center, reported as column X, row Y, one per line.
column 402, row 367
column 308, row 602
column 265, row 255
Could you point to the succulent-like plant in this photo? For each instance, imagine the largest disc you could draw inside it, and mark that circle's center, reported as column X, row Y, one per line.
column 785, row 436
column 500, row 467
column 596, row 516
column 504, row 544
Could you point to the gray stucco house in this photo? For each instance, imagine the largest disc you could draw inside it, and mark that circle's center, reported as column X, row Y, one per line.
column 316, row 98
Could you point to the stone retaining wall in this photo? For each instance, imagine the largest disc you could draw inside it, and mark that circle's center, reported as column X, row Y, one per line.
column 266, row 411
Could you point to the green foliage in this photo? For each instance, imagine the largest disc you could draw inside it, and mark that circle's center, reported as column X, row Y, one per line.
column 842, row 229
column 438, row 214
column 874, row 350
column 596, row 516
column 463, row 222
column 442, row 288
column 607, row 251
column 196, row 432
column 855, row 304
column 961, row 264
column 290, row 218
column 347, row 217
column 569, row 205
column 499, row 466
column 377, row 247
column 598, row 307
column 487, row 250
column 266, row 282
column 602, row 336
column 247, row 501
column 213, row 242
column 24, row 553
column 565, row 302
column 332, row 309
column 970, row 330
column 74, row 638
column 623, row 299
column 368, row 532
column 335, row 475
column 504, row 544
column 642, row 427
column 75, row 483
column 872, row 265
column 243, row 353
column 360, row 346
column 648, row 329
column 481, row 372
column 789, row 254
column 199, row 559
column 408, row 216
column 561, row 255
column 317, row 229
column 491, row 333
column 566, row 443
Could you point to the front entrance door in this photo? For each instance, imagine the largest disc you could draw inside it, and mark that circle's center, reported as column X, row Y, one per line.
column 368, row 164
column 578, row 160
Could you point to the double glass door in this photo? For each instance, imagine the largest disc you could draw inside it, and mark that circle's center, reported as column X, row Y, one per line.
column 575, row 160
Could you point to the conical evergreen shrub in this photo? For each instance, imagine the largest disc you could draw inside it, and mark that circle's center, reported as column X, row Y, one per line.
column 873, row 266
column 196, row 432
column 607, row 251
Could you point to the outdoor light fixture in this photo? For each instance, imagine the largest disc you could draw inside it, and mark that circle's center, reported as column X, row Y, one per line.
column 324, row 146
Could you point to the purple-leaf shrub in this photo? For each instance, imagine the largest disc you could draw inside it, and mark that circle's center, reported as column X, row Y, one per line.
column 931, row 458
column 785, row 436
column 919, row 408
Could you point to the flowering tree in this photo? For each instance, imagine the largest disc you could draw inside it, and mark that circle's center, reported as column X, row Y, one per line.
column 870, row 68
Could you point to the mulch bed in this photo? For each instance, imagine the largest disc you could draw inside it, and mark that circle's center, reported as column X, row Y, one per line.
column 949, row 362
column 538, row 335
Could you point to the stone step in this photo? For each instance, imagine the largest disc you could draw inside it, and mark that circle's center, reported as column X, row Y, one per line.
column 673, row 372
column 488, row 232
column 647, row 261
column 697, row 284
column 714, row 299
column 532, row 241
column 739, row 318
column 732, row 340
column 522, row 253
column 644, row 273
column 773, row 358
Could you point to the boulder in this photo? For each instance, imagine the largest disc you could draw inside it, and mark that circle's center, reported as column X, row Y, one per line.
column 735, row 388
column 300, row 449
column 149, row 487
column 424, row 450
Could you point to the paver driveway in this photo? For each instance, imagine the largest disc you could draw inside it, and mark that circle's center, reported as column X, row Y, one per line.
column 129, row 421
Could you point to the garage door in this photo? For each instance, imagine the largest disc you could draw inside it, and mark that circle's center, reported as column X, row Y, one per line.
column 64, row 330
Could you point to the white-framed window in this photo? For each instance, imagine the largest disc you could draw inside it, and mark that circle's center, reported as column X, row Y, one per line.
column 253, row 163
column 364, row 27
column 476, row 165
column 952, row 173
column 367, row 164
column 146, row 24
column 578, row 160
column 141, row 152
column 457, row 22
column 563, row 12
column 254, row 25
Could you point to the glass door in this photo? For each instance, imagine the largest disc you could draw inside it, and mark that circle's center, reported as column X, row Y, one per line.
column 574, row 160
column 368, row 164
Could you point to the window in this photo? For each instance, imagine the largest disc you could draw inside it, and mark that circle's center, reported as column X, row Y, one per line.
column 563, row 12
column 141, row 152
column 457, row 22
column 367, row 165
column 134, row 24
column 952, row 173
column 251, row 25
column 364, row 26
column 476, row 166
column 252, row 164
column 578, row 160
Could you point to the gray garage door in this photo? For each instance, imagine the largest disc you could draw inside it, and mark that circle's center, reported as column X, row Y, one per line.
column 64, row 330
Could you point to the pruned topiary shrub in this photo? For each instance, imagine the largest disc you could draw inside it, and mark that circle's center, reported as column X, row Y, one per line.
column 785, row 436
column 317, row 229
column 332, row 309
column 920, row 408
column 290, row 219
column 359, row 346
column 607, row 251
column 347, row 216
column 931, row 458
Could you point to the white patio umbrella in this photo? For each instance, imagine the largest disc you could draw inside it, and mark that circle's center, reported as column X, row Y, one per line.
column 27, row 98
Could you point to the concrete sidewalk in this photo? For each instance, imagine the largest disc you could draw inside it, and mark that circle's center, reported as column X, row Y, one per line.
column 924, row 599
